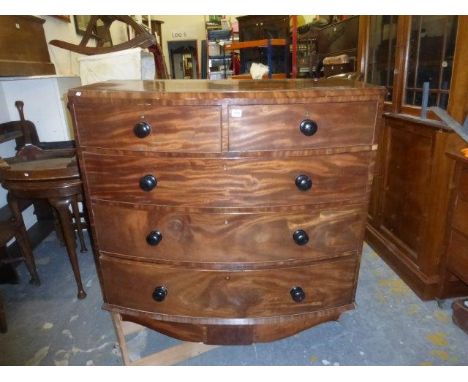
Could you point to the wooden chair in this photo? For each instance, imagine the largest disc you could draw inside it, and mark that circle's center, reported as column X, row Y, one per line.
column 14, row 228
column 46, row 172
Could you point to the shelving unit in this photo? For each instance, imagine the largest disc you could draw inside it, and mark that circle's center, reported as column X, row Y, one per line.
column 218, row 65
column 268, row 44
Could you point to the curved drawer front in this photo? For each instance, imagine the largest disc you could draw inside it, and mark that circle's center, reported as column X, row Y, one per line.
column 228, row 182
column 228, row 238
column 171, row 128
column 224, row 294
column 270, row 127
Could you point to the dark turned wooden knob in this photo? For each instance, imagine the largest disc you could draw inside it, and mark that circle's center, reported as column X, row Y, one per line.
column 303, row 182
column 297, row 294
column 148, row 182
column 159, row 293
column 301, row 237
column 142, row 129
column 308, row 127
column 154, row 238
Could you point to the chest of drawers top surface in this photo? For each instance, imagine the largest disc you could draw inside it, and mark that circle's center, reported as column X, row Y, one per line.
column 183, row 89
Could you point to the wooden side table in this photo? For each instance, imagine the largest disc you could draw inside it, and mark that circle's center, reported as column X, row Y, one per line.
column 52, row 175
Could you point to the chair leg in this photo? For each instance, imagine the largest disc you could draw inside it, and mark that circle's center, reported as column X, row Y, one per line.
column 23, row 241
column 26, row 251
column 3, row 322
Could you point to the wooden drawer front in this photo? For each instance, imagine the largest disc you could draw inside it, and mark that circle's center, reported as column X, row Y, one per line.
column 229, row 182
column 228, row 238
column 458, row 255
column 182, row 128
column 460, row 215
column 224, row 294
column 269, row 127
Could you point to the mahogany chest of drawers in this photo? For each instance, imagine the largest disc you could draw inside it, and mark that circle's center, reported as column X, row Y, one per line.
column 227, row 212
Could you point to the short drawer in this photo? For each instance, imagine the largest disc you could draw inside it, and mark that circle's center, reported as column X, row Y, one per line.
column 228, row 294
column 149, row 128
column 159, row 234
column 458, row 255
column 270, row 127
column 242, row 182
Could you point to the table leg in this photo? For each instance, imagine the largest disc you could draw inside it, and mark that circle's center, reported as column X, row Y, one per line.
column 62, row 205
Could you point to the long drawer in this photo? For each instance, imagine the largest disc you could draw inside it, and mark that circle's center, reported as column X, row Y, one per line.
column 159, row 234
column 272, row 127
column 243, row 182
column 227, row 294
column 165, row 128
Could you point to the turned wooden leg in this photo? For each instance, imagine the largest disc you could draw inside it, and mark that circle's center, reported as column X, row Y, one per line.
column 3, row 323
column 58, row 228
column 23, row 241
column 62, row 206
column 79, row 226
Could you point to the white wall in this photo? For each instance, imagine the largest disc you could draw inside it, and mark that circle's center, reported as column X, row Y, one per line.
column 180, row 28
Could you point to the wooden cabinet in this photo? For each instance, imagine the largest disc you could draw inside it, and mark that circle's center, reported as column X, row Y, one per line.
column 24, row 48
column 455, row 259
column 227, row 213
column 409, row 203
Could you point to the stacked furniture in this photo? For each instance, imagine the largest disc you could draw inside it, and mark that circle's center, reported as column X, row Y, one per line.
column 227, row 212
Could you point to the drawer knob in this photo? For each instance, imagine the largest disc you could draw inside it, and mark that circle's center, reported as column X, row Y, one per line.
column 154, row 238
column 303, row 182
column 159, row 293
column 148, row 182
column 308, row 127
column 142, row 129
column 300, row 237
column 297, row 294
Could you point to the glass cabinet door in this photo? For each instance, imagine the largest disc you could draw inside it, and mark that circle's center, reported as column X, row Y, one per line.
column 381, row 53
column 430, row 59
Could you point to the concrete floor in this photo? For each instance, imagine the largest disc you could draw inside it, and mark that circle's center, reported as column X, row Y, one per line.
column 390, row 325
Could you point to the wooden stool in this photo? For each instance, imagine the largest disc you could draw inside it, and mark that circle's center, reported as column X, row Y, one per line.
column 170, row 356
column 52, row 175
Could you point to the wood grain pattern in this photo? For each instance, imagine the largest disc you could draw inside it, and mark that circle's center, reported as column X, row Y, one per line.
column 460, row 215
column 405, row 190
column 228, row 183
column 24, row 49
column 226, row 238
column 454, row 261
column 235, row 334
column 184, row 128
column 277, row 126
column 409, row 223
column 227, row 294
column 203, row 92
column 226, row 201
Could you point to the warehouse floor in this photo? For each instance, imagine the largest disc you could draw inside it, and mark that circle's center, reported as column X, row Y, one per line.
column 390, row 325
